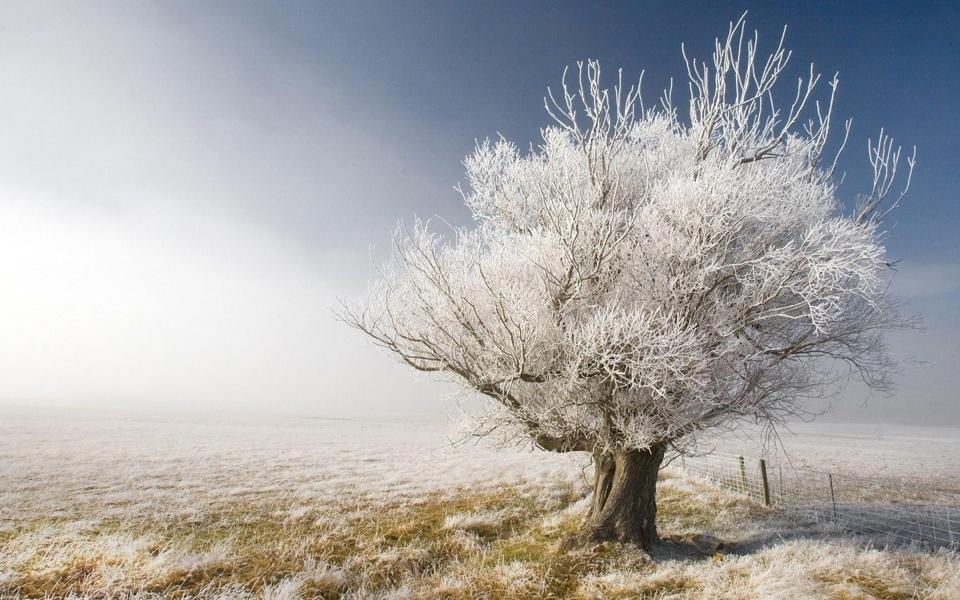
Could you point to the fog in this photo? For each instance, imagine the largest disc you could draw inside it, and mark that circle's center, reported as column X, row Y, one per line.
column 186, row 193
column 180, row 219
column 173, row 311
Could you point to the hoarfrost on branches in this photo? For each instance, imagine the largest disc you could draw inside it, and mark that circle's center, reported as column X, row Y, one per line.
column 639, row 277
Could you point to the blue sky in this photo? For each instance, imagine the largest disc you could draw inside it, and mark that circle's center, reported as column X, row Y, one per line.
column 189, row 186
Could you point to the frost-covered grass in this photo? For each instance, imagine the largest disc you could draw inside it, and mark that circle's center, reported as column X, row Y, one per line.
column 345, row 509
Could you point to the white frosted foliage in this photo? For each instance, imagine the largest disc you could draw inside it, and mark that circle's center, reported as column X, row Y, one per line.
column 641, row 275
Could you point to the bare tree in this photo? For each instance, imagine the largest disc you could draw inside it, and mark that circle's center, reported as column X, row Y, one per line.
column 641, row 277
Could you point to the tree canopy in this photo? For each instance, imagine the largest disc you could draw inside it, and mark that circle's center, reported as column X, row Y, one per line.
column 644, row 273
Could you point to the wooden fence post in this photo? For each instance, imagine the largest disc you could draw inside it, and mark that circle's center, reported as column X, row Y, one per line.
column 833, row 498
column 743, row 474
column 766, row 484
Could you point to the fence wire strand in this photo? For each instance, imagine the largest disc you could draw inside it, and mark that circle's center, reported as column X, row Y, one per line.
column 891, row 510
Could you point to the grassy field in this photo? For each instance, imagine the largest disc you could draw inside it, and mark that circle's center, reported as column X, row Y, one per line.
column 103, row 508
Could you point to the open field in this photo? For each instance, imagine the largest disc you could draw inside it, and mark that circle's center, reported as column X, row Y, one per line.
column 896, row 484
column 921, row 460
column 95, row 508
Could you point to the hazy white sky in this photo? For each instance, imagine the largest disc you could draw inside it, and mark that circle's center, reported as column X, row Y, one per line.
column 181, row 206
column 186, row 191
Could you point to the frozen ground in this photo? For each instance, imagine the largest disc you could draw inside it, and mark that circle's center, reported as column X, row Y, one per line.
column 75, row 467
column 298, row 508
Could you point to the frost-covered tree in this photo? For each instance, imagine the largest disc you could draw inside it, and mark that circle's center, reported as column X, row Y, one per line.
column 642, row 276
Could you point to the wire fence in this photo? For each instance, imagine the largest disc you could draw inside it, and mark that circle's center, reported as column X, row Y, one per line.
column 890, row 510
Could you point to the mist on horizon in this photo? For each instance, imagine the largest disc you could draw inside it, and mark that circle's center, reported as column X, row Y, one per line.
column 187, row 194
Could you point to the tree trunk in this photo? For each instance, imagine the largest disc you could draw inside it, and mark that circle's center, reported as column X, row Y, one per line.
column 624, row 507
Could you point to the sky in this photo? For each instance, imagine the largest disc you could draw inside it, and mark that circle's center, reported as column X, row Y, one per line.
column 187, row 188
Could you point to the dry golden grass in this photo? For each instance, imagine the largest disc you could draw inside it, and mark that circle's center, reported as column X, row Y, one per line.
column 171, row 511
column 488, row 545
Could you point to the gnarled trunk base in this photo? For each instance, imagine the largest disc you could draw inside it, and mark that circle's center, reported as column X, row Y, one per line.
column 624, row 507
